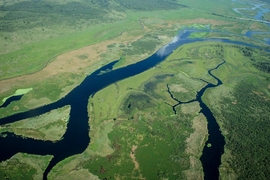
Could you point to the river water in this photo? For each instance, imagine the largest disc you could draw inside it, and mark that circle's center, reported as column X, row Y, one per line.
column 10, row 100
column 76, row 138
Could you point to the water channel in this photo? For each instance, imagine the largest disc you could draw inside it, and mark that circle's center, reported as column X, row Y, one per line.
column 10, row 100
column 76, row 138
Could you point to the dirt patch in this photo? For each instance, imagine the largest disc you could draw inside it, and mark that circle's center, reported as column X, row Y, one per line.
column 132, row 155
column 234, row 102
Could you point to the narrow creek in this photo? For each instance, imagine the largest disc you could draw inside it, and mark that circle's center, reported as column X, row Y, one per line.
column 214, row 146
column 178, row 101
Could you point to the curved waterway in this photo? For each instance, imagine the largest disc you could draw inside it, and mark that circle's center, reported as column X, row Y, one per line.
column 10, row 100
column 76, row 138
column 214, row 146
column 211, row 156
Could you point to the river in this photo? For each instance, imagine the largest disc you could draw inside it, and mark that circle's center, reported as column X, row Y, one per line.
column 76, row 138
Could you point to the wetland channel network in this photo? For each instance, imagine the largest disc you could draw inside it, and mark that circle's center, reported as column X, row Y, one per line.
column 76, row 138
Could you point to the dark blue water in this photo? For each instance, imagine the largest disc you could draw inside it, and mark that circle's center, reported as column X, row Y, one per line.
column 76, row 138
column 10, row 100
column 211, row 156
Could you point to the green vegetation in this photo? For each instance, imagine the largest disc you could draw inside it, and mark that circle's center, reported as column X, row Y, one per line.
column 248, row 118
column 134, row 131
column 141, row 144
column 29, row 14
column 22, row 170
column 143, row 45
column 149, row 5
column 148, row 139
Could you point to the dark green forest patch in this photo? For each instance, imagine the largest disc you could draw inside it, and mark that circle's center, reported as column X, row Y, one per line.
column 248, row 117
column 263, row 66
column 149, row 5
column 29, row 14
column 137, row 101
column 13, row 169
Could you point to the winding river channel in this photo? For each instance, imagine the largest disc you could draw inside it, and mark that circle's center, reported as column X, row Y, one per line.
column 211, row 157
column 76, row 138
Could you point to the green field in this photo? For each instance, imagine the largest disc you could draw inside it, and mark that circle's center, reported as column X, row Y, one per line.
column 47, row 48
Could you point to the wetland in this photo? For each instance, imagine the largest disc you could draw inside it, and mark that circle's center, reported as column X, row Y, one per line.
column 155, row 112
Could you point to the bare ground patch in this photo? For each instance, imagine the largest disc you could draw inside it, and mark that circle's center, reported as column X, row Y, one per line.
column 132, row 155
